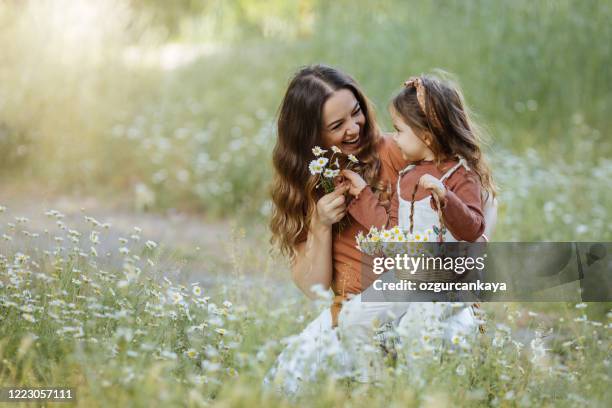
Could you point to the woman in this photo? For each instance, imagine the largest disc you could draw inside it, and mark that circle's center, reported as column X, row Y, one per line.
column 325, row 107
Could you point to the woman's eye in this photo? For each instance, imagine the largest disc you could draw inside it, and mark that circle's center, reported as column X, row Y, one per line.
column 357, row 110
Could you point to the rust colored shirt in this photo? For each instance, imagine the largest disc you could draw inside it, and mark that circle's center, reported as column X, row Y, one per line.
column 461, row 209
column 348, row 261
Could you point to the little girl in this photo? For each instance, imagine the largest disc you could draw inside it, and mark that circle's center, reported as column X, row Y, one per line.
column 435, row 133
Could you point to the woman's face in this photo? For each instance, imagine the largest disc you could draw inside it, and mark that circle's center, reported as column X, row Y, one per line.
column 343, row 121
column 413, row 147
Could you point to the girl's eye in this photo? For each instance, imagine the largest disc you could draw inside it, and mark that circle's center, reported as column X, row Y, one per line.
column 357, row 110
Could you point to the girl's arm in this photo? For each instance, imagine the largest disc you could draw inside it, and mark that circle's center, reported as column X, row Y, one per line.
column 365, row 207
column 312, row 264
column 461, row 204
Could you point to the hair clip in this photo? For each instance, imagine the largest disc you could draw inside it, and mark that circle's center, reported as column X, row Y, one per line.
column 417, row 83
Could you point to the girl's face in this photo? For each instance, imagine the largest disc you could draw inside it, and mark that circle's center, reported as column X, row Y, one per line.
column 413, row 147
column 343, row 121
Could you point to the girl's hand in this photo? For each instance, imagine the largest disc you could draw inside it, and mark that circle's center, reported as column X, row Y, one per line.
column 357, row 183
column 437, row 188
column 331, row 208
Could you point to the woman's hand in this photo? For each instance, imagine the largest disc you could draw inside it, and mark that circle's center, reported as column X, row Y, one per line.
column 357, row 183
column 331, row 208
column 437, row 188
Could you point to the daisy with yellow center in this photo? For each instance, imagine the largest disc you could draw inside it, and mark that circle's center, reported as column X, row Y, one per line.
column 315, row 168
column 317, row 151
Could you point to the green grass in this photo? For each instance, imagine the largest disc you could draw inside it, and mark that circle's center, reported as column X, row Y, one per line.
column 115, row 328
column 75, row 118
column 199, row 137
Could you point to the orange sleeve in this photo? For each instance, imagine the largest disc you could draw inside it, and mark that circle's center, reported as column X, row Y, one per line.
column 391, row 159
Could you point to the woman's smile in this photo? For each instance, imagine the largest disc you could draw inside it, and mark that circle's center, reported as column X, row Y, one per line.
column 343, row 121
column 352, row 141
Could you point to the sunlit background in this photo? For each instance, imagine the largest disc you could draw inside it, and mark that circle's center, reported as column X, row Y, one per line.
column 172, row 104
column 135, row 163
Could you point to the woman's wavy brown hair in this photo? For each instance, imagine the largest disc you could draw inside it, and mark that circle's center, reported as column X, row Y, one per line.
column 448, row 119
column 300, row 126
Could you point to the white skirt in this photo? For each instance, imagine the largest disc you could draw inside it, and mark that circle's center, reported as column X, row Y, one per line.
column 343, row 352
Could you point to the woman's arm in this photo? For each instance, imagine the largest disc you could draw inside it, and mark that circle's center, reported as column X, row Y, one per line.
column 312, row 264
column 313, row 260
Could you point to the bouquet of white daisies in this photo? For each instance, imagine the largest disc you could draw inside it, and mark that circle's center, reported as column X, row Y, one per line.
column 328, row 168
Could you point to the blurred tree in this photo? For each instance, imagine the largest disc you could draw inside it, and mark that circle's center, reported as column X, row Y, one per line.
column 169, row 14
column 240, row 18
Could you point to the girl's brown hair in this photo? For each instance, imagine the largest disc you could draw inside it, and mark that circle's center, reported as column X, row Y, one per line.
column 434, row 106
column 300, row 125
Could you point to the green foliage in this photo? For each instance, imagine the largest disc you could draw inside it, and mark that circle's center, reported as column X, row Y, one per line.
column 116, row 111
column 109, row 323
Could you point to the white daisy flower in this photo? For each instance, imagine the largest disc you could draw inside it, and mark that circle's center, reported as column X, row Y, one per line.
column 176, row 297
column 581, row 305
column 196, row 290
column 317, row 151
column 352, row 158
column 328, row 173
column 322, row 161
column 315, row 168
column 336, row 149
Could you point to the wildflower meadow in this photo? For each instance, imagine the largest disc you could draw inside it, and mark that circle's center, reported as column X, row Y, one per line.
column 135, row 165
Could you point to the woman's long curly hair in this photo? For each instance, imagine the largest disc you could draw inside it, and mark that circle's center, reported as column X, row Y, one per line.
column 300, row 126
column 447, row 118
